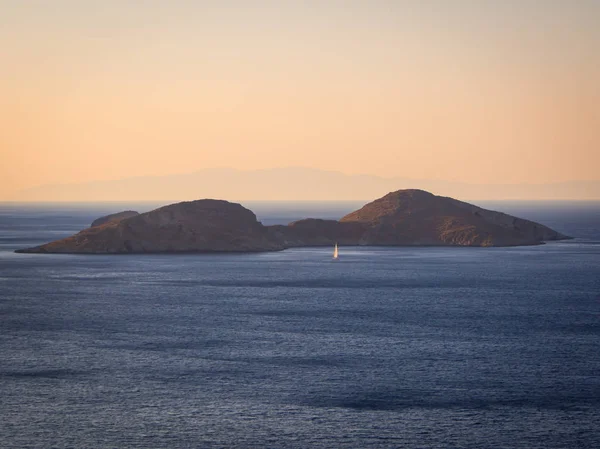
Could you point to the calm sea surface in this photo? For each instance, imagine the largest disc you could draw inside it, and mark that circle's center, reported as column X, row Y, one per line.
column 387, row 347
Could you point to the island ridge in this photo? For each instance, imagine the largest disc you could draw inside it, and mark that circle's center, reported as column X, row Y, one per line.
column 402, row 218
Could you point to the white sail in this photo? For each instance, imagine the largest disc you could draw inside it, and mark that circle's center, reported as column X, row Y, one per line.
column 335, row 252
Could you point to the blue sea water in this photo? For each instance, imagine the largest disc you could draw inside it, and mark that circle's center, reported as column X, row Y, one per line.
column 387, row 347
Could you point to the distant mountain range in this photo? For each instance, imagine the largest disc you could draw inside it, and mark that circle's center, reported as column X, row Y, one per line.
column 294, row 184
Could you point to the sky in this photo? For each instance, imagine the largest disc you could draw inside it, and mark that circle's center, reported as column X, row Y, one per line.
column 482, row 92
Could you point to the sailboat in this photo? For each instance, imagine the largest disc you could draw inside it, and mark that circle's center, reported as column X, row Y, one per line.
column 335, row 251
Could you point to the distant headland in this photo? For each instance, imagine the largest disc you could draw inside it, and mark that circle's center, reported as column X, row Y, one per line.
column 402, row 218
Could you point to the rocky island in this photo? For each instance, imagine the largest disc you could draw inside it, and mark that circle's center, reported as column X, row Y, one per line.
column 401, row 218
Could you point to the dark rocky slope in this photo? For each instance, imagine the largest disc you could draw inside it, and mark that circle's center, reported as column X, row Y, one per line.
column 318, row 232
column 114, row 217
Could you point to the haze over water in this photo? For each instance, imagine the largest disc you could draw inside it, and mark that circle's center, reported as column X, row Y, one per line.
column 387, row 347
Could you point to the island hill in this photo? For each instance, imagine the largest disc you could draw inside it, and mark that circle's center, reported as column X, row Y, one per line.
column 402, row 218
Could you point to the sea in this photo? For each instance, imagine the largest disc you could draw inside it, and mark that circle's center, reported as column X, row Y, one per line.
column 401, row 347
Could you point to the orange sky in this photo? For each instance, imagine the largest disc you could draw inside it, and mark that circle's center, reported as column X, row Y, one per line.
column 472, row 91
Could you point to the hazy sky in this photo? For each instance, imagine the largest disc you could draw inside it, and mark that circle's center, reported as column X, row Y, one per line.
column 475, row 91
